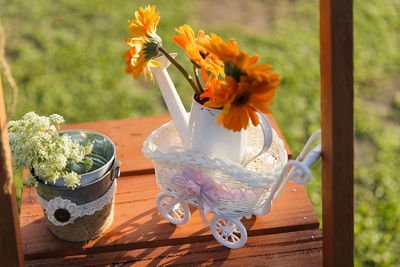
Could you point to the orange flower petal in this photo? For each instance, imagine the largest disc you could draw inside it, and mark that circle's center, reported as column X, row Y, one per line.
column 145, row 23
column 254, row 117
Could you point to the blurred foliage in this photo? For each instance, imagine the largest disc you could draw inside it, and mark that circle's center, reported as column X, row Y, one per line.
column 66, row 57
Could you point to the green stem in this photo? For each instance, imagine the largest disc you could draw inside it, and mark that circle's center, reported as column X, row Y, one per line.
column 197, row 79
column 181, row 69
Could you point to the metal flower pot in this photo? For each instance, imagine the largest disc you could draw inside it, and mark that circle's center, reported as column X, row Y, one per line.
column 85, row 212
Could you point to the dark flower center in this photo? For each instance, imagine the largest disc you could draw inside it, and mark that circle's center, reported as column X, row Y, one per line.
column 241, row 99
column 203, row 55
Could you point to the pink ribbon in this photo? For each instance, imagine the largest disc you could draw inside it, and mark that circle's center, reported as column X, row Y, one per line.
column 194, row 185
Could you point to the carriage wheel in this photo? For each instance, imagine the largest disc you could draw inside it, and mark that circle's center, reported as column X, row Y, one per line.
column 177, row 213
column 229, row 232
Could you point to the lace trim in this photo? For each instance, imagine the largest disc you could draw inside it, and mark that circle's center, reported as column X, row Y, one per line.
column 75, row 211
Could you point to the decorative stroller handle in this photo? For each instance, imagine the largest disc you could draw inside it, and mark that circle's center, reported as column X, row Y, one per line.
column 299, row 170
column 302, row 164
column 311, row 158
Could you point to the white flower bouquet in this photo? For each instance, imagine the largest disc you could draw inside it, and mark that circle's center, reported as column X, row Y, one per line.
column 36, row 144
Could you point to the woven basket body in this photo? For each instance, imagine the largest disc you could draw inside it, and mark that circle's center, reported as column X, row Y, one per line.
column 239, row 191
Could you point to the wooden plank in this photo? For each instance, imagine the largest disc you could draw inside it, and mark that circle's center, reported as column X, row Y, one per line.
column 129, row 135
column 10, row 238
column 300, row 248
column 336, row 41
column 138, row 224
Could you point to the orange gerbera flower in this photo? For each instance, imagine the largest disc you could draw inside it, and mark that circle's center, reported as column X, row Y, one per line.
column 195, row 50
column 227, row 52
column 144, row 44
column 241, row 100
column 237, row 62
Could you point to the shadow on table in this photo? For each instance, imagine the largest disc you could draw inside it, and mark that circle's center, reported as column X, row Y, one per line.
column 151, row 243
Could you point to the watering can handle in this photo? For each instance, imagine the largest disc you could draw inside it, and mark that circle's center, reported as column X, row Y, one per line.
column 267, row 131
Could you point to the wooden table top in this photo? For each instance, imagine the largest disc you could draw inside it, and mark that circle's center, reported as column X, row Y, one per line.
column 139, row 235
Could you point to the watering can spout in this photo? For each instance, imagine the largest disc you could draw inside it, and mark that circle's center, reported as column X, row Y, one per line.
column 171, row 97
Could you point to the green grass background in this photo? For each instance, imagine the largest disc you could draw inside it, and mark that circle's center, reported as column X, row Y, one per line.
column 66, row 57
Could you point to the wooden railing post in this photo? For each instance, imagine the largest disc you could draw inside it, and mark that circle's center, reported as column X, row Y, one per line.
column 336, row 44
column 11, row 253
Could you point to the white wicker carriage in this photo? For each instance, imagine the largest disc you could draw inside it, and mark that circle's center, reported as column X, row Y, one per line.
column 221, row 187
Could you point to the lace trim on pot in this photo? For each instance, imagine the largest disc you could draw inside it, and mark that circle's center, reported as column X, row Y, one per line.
column 60, row 211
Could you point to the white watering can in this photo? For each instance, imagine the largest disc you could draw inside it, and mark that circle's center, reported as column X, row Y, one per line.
column 199, row 131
